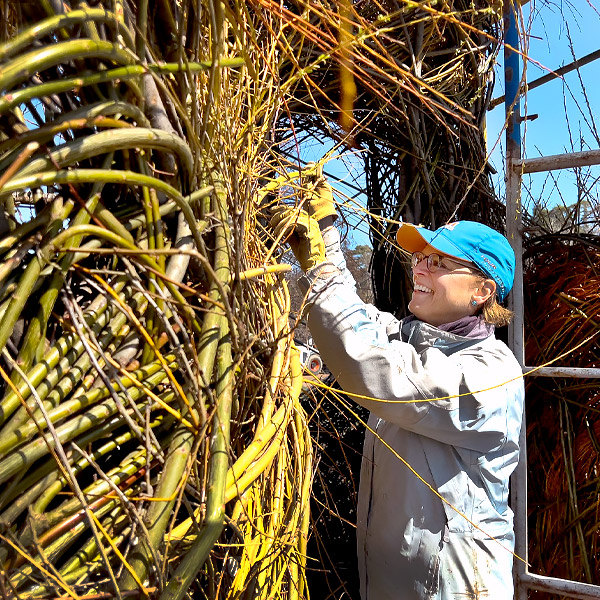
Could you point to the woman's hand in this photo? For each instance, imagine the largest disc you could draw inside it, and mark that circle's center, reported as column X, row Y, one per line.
column 302, row 233
column 320, row 202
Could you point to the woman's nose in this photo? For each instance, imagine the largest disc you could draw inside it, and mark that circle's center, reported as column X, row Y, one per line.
column 421, row 266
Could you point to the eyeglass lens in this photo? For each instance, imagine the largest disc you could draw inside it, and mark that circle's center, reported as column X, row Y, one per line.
column 433, row 261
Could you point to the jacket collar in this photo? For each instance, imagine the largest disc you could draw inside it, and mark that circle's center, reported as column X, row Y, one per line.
column 421, row 336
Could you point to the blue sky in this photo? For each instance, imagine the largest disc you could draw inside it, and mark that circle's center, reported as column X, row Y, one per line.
column 550, row 24
column 559, row 31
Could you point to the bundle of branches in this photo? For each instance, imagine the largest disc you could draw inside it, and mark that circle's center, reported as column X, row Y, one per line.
column 562, row 283
column 337, row 427
column 151, row 439
column 410, row 84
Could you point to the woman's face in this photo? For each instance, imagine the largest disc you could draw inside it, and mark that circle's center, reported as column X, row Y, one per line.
column 445, row 295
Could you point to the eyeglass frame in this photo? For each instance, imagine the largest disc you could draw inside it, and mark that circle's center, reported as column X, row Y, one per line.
column 418, row 257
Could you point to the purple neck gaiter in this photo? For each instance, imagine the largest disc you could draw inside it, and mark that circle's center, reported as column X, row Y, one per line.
column 471, row 327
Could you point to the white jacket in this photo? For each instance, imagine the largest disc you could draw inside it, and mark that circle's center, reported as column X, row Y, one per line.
column 445, row 407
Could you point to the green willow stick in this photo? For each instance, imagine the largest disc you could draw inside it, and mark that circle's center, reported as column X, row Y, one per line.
column 13, row 259
column 65, row 351
column 114, row 176
column 112, row 140
column 29, row 481
column 66, row 509
column 108, row 219
column 26, row 65
column 141, row 30
column 157, row 228
column 214, row 520
column 40, row 592
column 54, row 523
column 43, row 135
column 127, row 467
column 211, row 328
column 85, row 562
column 25, row 498
column 7, row 150
column 15, row 236
column 159, row 231
column 18, row 97
column 33, row 345
column 101, row 431
column 146, row 260
column 123, row 474
column 84, row 508
column 138, row 221
column 34, row 450
column 81, row 377
column 6, row 292
column 51, row 392
column 58, row 547
column 88, row 552
column 91, row 30
column 50, row 25
column 30, row 276
column 57, row 382
column 165, row 209
column 150, row 233
column 73, row 406
column 88, row 114
column 207, row 131
column 212, row 333
column 170, row 207
column 54, row 542
column 160, row 511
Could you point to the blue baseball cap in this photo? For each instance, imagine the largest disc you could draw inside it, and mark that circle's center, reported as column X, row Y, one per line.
column 475, row 242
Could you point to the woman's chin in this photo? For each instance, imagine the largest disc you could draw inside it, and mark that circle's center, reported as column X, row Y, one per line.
column 417, row 310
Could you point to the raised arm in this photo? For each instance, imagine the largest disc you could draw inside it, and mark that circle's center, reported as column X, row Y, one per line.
column 457, row 398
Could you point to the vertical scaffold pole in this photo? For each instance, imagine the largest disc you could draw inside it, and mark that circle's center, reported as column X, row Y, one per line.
column 512, row 77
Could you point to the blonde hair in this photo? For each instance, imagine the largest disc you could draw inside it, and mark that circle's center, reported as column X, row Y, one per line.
column 494, row 313
column 491, row 310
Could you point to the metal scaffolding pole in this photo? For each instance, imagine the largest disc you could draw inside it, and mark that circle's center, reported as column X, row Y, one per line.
column 514, row 226
column 515, row 167
column 512, row 104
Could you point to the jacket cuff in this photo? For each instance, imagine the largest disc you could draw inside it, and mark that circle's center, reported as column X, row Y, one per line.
column 317, row 279
column 331, row 238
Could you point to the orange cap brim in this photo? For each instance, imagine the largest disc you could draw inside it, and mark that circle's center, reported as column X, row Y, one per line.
column 409, row 238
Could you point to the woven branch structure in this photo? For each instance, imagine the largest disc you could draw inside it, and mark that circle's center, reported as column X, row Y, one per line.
column 421, row 82
column 563, row 432
column 152, row 440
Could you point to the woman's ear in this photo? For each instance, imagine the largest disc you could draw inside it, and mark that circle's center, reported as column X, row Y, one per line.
column 486, row 289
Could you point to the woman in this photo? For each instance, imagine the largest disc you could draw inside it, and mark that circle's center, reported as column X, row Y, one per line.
column 446, row 402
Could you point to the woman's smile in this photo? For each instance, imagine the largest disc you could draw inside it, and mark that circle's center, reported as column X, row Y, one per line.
column 421, row 288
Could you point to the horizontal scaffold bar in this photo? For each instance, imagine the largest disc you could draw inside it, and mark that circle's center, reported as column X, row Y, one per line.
column 582, row 372
column 564, row 587
column 558, row 161
column 580, row 62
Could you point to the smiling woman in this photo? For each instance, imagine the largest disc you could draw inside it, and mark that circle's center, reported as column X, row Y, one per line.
column 446, row 399
column 459, row 270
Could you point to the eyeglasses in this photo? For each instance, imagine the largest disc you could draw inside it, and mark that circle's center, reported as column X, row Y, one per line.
column 435, row 262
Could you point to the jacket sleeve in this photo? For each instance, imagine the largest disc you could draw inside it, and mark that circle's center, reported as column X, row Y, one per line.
column 458, row 399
